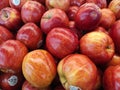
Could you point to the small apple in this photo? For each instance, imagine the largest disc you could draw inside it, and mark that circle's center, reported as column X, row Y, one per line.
column 5, row 34
column 114, row 5
column 32, row 11
column 105, row 22
column 100, row 3
column 111, row 78
column 77, row 2
column 53, row 18
column 114, row 33
column 61, row 42
column 39, row 68
column 98, row 46
column 10, row 18
column 77, row 72
column 61, row 4
column 9, row 81
column 88, row 17
column 12, row 53
column 31, row 35
column 4, row 3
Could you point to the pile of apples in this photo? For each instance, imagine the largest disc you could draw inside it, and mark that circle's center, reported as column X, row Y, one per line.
column 59, row 44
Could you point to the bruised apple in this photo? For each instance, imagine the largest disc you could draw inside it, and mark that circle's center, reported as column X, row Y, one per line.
column 61, row 42
column 53, row 18
column 111, row 78
column 88, row 17
column 31, row 35
column 77, row 72
column 32, row 11
column 4, row 3
column 12, row 53
column 5, row 34
column 39, row 68
column 98, row 46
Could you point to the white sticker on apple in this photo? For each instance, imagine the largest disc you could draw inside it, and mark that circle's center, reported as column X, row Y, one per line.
column 16, row 2
column 13, row 80
column 74, row 88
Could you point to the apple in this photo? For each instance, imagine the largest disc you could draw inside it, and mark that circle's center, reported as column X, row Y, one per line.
column 77, row 2
column 9, row 81
column 39, row 68
column 98, row 46
column 100, row 3
column 111, row 78
column 114, row 32
column 63, row 4
column 107, row 19
column 32, row 11
column 4, row 3
column 26, row 33
column 114, row 5
column 10, row 18
column 5, row 34
column 101, row 29
column 61, row 42
column 53, row 18
column 88, row 17
column 12, row 53
column 71, row 12
column 77, row 72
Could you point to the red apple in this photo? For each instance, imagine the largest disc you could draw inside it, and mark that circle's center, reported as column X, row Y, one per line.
column 32, row 11
column 63, row 4
column 77, row 72
column 4, row 3
column 111, row 78
column 100, row 3
column 107, row 19
column 12, row 53
column 114, row 5
column 31, row 35
column 88, row 17
column 39, row 68
column 10, row 18
column 77, row 2
column 61, row 42
column 101, row 29
column 53, row 18
column 9, row 81
column 17, row 4
column 71, row 12
column 5, row 34
column 98, row 46
column 114, row 32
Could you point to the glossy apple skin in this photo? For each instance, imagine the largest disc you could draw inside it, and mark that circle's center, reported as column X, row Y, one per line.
column 71, row 12
column 100, row 3
column 111, row 79
column 31, row 35
column 10, row 18
column 98, row 46
column 32, row 11
column 53, row 18
column 77, row 70
column 114, row 32
column 5, row 34
column 105, row 22
column 41, row 66
column 4, row 3
column 77, row 2
column 61, row 42
column 114, row 6
column 88, row 17
column 63, row 4
column 12, row 53
column 9, row 81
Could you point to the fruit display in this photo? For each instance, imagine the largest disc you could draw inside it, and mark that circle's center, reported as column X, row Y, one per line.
column 60, row 45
